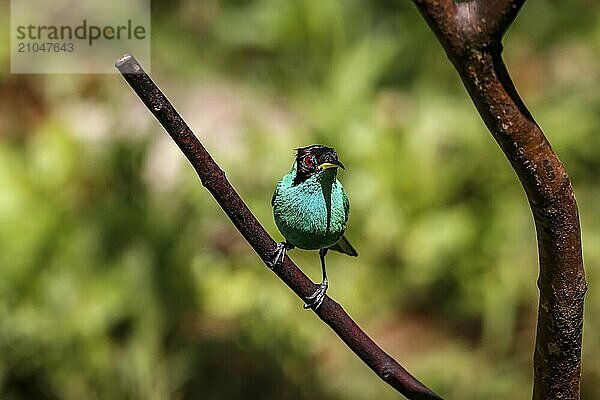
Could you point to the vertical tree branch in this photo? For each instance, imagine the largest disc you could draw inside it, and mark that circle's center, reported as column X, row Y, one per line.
column 471, row 35
column 213, row 178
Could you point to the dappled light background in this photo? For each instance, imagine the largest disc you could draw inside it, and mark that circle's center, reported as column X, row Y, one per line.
column 120, row 277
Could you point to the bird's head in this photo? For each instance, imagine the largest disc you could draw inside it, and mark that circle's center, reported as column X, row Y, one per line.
column 315, row 159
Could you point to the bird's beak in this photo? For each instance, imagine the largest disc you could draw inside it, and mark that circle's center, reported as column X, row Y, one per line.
column 331, row 164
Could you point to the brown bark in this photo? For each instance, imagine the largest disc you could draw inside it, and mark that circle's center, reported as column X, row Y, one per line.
column 471, row 34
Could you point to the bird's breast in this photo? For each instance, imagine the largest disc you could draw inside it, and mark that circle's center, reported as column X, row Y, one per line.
column 310, row 218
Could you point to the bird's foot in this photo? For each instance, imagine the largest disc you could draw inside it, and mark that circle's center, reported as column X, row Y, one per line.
column 279, row 255
column 315, row 300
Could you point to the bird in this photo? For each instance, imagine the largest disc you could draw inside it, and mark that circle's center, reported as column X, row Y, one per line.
column 311, row 210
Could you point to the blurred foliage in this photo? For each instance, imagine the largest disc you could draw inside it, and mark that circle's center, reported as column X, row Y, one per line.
column 120, row 278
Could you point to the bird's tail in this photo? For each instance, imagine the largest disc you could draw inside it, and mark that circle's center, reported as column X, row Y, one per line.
column 344, row 246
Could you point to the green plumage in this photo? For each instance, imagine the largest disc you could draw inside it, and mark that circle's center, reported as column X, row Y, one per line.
column 313, row 214
column 311, row 210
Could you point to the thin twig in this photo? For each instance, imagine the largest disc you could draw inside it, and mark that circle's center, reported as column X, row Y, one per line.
column 213, row 178
column 471, row 33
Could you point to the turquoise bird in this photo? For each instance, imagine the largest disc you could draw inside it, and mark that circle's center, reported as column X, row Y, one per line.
column 311, row 210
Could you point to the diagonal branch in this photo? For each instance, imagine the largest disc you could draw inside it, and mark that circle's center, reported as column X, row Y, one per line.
column 471, row 35
column 213, row 178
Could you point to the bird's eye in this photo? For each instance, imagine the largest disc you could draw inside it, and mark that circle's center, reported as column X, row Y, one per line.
column 308, row 162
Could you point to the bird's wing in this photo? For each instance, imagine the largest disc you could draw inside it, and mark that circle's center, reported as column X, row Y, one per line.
column 285, row 181
column 344, row 246
column 346, row 207
column 275, row 193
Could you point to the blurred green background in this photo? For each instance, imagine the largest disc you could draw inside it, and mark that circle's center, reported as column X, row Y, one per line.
column 120, row 277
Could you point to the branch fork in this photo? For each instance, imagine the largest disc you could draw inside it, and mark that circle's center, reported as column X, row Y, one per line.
column 471, row 34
